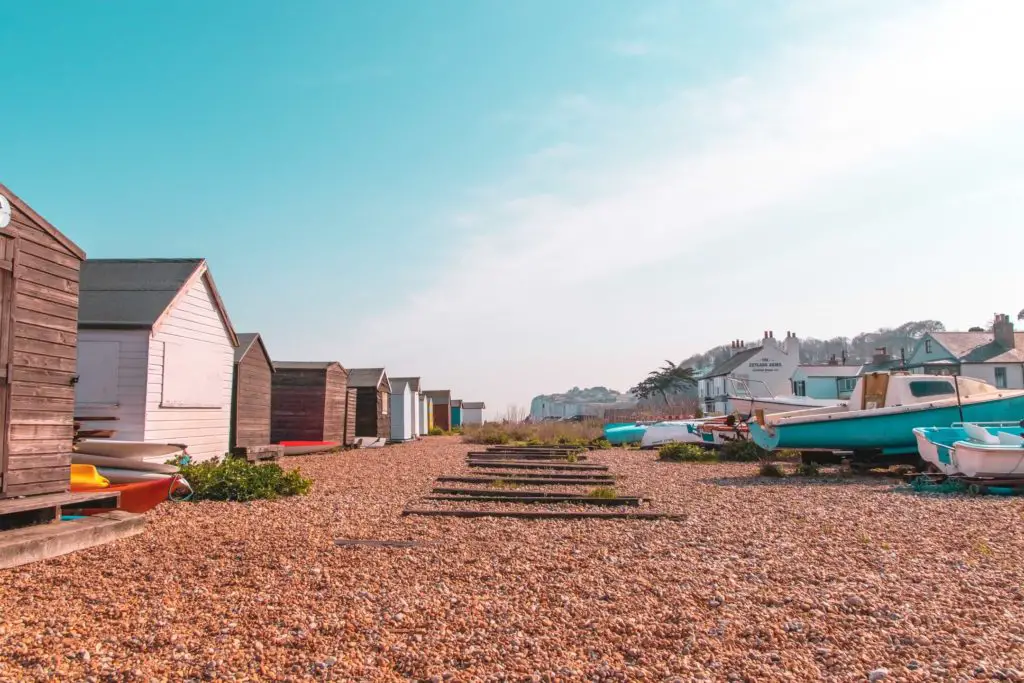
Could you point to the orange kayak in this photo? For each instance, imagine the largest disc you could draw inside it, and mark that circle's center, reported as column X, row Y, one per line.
column 140, row 496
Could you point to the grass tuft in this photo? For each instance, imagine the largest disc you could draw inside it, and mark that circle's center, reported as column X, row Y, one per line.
column 686, row 452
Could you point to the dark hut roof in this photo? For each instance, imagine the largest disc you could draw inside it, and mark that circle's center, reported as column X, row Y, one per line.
column 413, row 382
column 305, row 365
column 479, row 405
column 134, row 293
column 246, row 342
column 368, row 378
column 736, row 360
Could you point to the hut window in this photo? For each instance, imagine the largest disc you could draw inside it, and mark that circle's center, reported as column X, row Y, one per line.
column 97, row 373
column 193, row 376
column 384, row 403
column 927, row 345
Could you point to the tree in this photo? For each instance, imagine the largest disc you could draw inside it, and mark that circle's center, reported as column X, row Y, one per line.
column 669, row 378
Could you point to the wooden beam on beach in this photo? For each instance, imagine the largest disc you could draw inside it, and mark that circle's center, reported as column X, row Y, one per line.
column 527, row 465
column 480, row 455
column 510, row 493
column 532, row 514
column 528, row 500
column 581, row 481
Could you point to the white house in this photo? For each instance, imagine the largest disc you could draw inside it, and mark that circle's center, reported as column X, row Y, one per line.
column 156, row 352
column 996, row 357
column 404, row 409
column 825, row 380
column 473, row 413
column 760, row 370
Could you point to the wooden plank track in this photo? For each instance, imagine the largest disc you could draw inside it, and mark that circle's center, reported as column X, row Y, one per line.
column 523, row 456
column 524, row 500
column 510, row 493
column 519, row 465
column 583, row 481
column 530, row 514
column 546, row 475
column 375, row 543
column 539, row 451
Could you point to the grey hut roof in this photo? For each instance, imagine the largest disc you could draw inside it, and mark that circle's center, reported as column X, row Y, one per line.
column 305, row 365
column 134, row 293
column 730, row 364
column 248, row 340
column 368, row 378
column 474, row 405
column 413, row 382
column 440, row 395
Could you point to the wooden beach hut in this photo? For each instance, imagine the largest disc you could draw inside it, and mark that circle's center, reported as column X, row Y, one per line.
column 308, row 402
column 442, row 409
column 40, row 269
column 155, row 353
column 250, row 393
column 373, row 402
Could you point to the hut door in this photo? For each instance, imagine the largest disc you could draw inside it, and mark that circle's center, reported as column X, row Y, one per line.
column 8, row 249
column 876, row 386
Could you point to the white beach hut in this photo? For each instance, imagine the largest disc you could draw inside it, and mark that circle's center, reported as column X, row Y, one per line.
column 156, row 353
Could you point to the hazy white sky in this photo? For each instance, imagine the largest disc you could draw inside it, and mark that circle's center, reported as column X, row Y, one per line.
column 865, row 177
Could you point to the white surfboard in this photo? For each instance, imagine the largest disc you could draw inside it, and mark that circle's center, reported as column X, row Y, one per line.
column 122, row 463
column 122, row 476
column 133, row 450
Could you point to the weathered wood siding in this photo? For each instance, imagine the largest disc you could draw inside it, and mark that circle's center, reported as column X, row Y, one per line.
column 351, row 397
column 251, row 407
column 335, row 403
column 41, row 347
column 443, row 416
column 367, row 415
column 195, row 323
column 132, row 371
column 297, row 405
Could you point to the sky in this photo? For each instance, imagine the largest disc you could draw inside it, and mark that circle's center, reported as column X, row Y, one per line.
column 515, row 198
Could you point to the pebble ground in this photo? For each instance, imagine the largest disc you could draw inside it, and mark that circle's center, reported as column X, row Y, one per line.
column 824, row 579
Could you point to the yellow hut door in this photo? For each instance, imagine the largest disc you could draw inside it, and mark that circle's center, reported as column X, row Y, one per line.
column 876, row 386
column 8, row 248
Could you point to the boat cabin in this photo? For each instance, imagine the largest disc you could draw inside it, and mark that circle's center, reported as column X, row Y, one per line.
column 890, row 390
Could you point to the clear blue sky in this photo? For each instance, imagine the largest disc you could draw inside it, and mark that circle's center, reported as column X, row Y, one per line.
column 407, row 183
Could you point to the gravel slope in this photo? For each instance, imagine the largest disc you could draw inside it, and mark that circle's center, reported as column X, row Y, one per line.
column 763, row 580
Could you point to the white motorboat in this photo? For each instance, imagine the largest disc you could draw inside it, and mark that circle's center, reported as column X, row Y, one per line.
column 747, row 397
column 993, row 450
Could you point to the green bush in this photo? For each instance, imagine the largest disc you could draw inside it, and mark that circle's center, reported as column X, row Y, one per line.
column 685, row 452
column 237, row 479
column 601, row 444
column 742, row 451
column 435, row 431
column 771, row 469
column 807, row 469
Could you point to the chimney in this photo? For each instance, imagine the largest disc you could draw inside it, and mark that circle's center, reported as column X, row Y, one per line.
column 1002, row 331
column 880, row 355
column 792, row 344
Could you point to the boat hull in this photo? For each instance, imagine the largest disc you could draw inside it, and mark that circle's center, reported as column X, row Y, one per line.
column 890, row 432
column 307, row 447
column 625, row 434
column 770, row 406
column 983, row 461
column 675, row 431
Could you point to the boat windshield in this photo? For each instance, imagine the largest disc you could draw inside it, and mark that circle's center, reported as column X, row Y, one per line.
column 748, row 388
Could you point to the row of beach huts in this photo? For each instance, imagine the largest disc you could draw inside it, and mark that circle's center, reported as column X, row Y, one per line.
column 144, row 350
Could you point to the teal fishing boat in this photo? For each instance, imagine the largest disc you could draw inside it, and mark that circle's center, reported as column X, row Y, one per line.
column 620, row 434
column 882, row 414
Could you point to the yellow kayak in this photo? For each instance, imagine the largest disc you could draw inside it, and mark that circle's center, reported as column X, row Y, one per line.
column 86, row 475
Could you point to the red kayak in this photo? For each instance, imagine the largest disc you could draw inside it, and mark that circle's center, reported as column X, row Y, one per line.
column 143, row 496
column 305, row 447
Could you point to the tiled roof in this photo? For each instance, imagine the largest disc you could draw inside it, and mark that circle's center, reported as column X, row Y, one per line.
column 730, row 364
